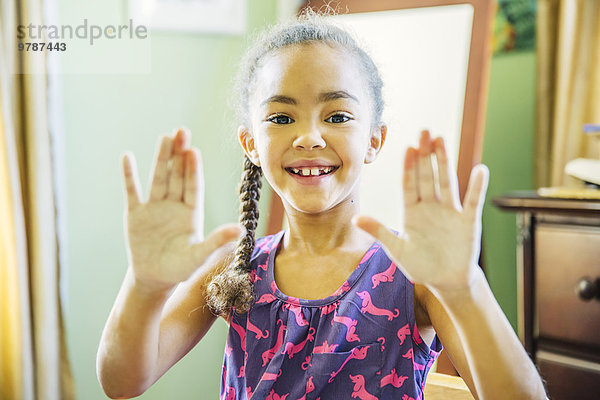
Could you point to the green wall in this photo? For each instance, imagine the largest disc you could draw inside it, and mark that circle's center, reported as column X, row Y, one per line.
column 508, row 152
column 104, row 115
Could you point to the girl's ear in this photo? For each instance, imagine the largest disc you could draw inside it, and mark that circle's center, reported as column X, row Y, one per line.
column 247, row 142
column 375, row 143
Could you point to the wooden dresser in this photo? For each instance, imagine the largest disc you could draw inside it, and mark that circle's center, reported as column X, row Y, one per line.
column 558, row 270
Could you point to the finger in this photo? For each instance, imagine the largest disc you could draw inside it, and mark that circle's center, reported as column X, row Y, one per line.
column 193, row 182
column 132, row 184
column 426, row 183
column 217, row 238
column 392, row 244
column 411, row 194
column 158, row 187
column 447, row 179
column 478, row 182
column 180, row 143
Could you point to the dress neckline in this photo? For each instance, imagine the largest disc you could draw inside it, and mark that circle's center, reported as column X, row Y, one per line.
column 335, row 296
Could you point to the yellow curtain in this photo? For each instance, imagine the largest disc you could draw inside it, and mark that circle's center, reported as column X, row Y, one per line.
column 16, row 360
column 33, row 356
column 568, row 36
column 11, row 340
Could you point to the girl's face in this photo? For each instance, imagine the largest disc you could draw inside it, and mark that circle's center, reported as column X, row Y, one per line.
column 311, row 126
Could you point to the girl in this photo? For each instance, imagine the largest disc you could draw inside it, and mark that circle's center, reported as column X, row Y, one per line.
column 320, row 311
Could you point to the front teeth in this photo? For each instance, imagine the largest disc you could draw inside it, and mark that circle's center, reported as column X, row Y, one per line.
column 312, row 171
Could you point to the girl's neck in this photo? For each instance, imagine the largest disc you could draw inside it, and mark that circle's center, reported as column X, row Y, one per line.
column 324, row 233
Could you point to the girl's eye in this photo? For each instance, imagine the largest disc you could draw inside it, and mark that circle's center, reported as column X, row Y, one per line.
column 338, row 119
column 280, row 119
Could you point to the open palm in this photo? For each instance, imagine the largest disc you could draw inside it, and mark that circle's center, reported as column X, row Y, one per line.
column 164, row 234
column 439, row 245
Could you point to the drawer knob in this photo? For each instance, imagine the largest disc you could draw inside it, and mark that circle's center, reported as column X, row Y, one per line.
column 587, row 288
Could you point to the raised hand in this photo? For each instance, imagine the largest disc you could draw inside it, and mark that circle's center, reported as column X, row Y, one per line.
column 165, row 233
column 439, row 246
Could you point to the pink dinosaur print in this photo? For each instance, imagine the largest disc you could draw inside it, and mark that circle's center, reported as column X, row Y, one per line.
column 310, row 386
column 294, row 300
column 270, row 353
column 325, row 348
column 368, row 255
column 256, row 330
column 269, row 376
column 329, row 308
column 254, row 277
column 266, row 298
column 291, row 348
column 241, row 331
column 385, row 276
column 306, row 363
column 266, row 244
column 230, row 393
column 342, row 289
column 416, row 335
column 382, row 341
column 350, row 323
column 291, row 335
column 403, row 332
column 393, row 379
column 369, row 307
column 359, row 388
column 297, row 310
column 243, row 367
column 275, row 396
column 355, row 353
column 273, row 244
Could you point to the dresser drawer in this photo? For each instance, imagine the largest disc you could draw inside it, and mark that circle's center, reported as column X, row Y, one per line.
column 564, row 255
column 569, row 378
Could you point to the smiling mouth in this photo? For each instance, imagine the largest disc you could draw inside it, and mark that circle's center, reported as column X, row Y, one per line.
column 312, row 171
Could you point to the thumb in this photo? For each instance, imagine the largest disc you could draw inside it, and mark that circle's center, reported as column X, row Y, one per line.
column 392, row 244
column 217, row 238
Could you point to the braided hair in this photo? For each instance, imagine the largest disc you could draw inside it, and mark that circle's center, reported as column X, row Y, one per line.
column 232, row 287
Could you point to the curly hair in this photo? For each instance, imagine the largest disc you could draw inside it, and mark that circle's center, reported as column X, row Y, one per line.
column 232, row 289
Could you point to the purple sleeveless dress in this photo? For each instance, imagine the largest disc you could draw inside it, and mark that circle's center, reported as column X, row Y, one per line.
column 360, row 342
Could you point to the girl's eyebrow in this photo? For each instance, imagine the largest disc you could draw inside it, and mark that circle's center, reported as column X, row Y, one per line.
column 323, row 97
column 280, row 99
column 337, row 94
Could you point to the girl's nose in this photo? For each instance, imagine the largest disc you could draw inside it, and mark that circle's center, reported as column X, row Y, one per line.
column 309, row 139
